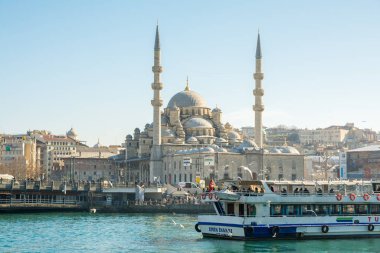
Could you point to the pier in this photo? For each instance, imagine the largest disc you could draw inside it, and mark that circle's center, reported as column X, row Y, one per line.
column 37, row 196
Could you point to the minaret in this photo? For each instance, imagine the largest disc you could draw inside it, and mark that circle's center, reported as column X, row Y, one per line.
column 258, row 92
column 156, row 154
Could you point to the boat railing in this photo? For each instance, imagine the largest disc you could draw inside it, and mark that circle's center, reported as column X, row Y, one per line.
column 324, row 194
column 312, row 213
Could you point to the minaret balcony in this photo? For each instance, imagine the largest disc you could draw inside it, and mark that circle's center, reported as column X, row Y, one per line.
column 258, row 108
column 258, row 76
column 155, row 102
column 157, row 69
column 157, row 86
column 258, row 92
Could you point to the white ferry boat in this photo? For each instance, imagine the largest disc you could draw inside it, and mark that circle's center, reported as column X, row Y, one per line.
column 259, row 210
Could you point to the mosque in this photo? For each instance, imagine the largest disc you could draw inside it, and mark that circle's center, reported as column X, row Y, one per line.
column 189, row 141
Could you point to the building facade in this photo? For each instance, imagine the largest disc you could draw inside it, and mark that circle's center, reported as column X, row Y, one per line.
column 18, row 156
column 334, row 135
column 364, row 163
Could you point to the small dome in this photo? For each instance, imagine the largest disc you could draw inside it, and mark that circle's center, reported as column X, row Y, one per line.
column 220, row 140
column 207, row 150
column 216, row 109
column 275, row 150
column 197, row 123
column 290, row 150
column 72, row 133
column 227, row 125
column 187, row 98
column 98, row 145
column 248, row 144
column 192, row 140
column 178, row 141
column 232, row 135
column 129, row 137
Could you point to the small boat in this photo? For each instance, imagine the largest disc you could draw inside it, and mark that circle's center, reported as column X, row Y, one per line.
column 92, row 210
column 227, row 195
column 262, row 210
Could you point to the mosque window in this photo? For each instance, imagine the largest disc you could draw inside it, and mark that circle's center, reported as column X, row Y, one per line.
column 185, row 177
column 191, row 177
column 293, row 165
column 175, row 178
column 180, row 177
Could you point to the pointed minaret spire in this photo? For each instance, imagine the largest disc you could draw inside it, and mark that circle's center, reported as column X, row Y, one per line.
column 258, row 92
column 157, row 40
column 258, row 47
column 187, row 84
column 156, row 151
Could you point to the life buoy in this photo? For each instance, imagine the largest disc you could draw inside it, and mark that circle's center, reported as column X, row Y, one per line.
column 274, row 231
column 325, row 229
column 352, row 196
column 203, row 196
column 339, row 197
column 197, row 228
column 378, row 197
column 366, row 197
column 371, row 227
column 210, row 195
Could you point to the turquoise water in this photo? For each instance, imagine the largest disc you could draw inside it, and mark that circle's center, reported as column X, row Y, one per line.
column 84, row 232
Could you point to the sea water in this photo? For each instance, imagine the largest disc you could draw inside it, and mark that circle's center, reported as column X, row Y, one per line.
column 85, row 232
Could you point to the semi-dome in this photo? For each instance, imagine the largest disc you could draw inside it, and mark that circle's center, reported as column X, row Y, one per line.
column 197, row 123
column 232, row 135
column 187, row 98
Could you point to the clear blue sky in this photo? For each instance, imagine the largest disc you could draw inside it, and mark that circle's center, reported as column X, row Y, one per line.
column 87, row 64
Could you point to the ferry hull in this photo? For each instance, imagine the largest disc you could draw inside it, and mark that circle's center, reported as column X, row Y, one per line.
column 238, row 230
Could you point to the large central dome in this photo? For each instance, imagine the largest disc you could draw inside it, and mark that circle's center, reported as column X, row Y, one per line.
column 187, row 98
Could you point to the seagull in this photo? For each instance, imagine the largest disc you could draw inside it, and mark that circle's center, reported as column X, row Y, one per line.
column 181, row 226
column 174, row 223
column 230, row 234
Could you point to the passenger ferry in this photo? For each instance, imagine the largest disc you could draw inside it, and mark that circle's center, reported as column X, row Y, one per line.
column 259, row 210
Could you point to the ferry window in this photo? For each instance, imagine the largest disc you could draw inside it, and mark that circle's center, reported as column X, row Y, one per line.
column 241, row 209
column 348, row 209
column 291, row 210
column 375, row 209
column 230, row 209
column 321, row 209
column 362, row 209
column 276, row 210
column 306, row 210
column 251, row 210
column 336, row 209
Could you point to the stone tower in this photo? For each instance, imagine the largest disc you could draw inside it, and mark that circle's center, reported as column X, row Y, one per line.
column 258, row 92
column 156, row 153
